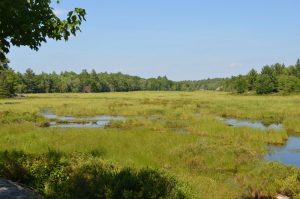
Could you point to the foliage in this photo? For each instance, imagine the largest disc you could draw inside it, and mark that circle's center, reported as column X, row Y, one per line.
column 288, row 84
column 284, row 181
column 56, row 175
column 87, row 82
column 272, row 79
column 8, row 82
column 174, row 131
column 252, row 77
column 264, row 84
column 30, row 22
column 241, row 84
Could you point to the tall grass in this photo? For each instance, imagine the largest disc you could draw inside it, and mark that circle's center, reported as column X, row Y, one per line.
column 174, row 131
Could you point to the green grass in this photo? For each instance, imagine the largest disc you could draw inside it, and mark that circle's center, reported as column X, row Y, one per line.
column 174, row 131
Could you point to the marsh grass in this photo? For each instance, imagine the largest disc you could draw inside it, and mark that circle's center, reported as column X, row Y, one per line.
column 215, row 160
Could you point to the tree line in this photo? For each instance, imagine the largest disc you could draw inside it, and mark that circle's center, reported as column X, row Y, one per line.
column 275, row 78
column 12, row 82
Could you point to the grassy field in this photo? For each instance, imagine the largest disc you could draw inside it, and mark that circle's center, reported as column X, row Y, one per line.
column 176, row 132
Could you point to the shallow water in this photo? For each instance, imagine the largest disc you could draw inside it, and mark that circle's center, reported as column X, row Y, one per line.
column 288, row 154
column 79, row 122
column 252, row 124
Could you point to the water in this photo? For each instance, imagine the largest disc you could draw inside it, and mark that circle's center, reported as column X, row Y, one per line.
column 79, row 122
column 252, row 124
column 288, row 154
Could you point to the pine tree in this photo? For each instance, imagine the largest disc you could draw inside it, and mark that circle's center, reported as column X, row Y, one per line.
column 4, row 92
column 297, row 68
column 7, row 83
column 252, row 76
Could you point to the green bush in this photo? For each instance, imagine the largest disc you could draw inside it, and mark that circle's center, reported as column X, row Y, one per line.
column 56, row 175
column 269, row 179
column 264, row 84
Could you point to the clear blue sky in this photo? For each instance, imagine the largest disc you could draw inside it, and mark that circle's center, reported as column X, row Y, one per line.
column 183, row 39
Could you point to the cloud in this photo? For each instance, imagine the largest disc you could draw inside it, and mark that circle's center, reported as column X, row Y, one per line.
column 59, row 12
column 235, row 65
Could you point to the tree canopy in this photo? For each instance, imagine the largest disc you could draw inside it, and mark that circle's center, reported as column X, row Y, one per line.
column 272, row 79
column 31, row 22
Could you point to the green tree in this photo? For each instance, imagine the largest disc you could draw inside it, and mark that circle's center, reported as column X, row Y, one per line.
column 289, row 84
column 264, row 84
column 30, row 81
column 7, row 83
column 95, row 81
column 271, row 73
column 30, row 22
column 252, row 76
column 240, row 84
column 279, row 69
column 297, row 68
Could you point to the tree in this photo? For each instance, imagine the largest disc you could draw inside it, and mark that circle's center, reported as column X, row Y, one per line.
column 289, row 84
column 297, row 68
column 30, row 81
column 279, row 69
column 264, row 84
column 252, row 76
column 240, row 84
column 7, row 83
column 30, row 22
column 271, row 73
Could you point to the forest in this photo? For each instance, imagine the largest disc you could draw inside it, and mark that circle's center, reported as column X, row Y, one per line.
column 70, row 82
column 276, row 78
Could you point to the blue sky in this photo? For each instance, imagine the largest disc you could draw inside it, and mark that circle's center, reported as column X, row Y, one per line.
column 190, row 39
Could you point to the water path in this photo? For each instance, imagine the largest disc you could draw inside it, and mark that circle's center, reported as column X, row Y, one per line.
column 79, row 122
column 288, row 154
column 252, row 124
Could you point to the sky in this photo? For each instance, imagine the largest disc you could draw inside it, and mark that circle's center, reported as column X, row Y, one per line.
column 182, row 39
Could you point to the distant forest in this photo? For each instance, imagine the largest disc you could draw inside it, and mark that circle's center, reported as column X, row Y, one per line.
column 275, row 78
column 86, row 82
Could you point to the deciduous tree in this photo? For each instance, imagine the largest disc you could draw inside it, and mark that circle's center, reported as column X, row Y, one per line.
column 31, row 22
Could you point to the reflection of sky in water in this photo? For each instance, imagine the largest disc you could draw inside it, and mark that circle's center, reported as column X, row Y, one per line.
column 91, row 122
column 287, row 154
column 251, row 124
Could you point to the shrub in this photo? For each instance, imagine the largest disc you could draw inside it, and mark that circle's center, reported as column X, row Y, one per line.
column 285, row 181
column 56, row 175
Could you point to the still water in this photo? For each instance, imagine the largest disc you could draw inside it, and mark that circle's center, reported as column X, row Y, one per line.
column 79, row 122
column 288, row 154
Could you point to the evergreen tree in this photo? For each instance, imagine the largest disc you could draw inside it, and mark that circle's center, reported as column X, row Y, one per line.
column 264, row 84
column 297, row 68
column 279, row 69
column 271, row 73
column 252, row 77
column 7, row 83
column 30, row 81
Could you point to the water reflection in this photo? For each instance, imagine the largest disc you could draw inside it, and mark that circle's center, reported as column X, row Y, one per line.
column 252, row 124
column 79, row 122
column 288, row 154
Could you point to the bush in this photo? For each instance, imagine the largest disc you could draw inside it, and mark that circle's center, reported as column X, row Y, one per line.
column 241, row 84
column 56, row 175
column 264, row 84
column 289, row 84
column 268, row 180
